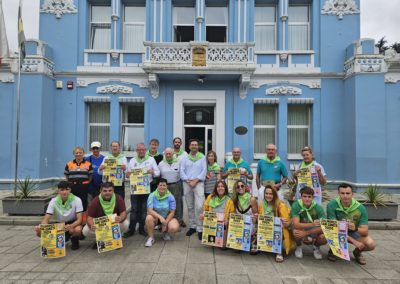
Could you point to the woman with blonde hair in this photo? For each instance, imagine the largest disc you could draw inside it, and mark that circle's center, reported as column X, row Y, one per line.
column 309, row 161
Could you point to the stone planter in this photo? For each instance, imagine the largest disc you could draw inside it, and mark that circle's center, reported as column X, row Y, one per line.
column 29, row 206
column 388, row 212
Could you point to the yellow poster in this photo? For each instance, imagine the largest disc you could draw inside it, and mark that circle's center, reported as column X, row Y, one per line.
column 239, row 232
column 233, row 177
column 113, row 172
column 52, row 240
column 213, row 229
column 108, row 233
column 309, row 177
column 139, row 181
column 336, row 235
column 269, row 234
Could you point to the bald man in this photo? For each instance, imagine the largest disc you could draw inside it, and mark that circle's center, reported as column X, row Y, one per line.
column 238, row 163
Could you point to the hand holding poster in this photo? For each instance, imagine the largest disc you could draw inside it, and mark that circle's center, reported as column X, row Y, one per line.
column 213, row 229
column 113, row 172
column 239, row 232
column 139, row 181
column 336, row 235
column 52, row 240
column 233, row 177
column 108, row 233
column 309, row 177
column 269, row 234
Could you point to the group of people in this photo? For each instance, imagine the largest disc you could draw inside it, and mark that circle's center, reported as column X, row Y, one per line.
column 197, row 179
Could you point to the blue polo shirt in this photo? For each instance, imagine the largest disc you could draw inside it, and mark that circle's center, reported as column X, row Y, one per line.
column 96, row 162
column 271, row 171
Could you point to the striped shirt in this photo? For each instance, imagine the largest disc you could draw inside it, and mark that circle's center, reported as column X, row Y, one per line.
column 78, row 172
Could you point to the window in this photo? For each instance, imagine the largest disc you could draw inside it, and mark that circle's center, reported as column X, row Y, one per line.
column 298, row 125
column 99, row 124
column 264, row 128
column 100, row 27
column 183, row 23
column 265, row 28
column 134, row 28
column 132, row 124
column 299, row 28
column 216, row 24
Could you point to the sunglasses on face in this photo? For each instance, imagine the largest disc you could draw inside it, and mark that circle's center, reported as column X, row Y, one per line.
column 241, row 186
column 95, row 148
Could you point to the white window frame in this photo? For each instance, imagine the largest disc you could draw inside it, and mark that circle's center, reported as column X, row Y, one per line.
column 126, row 124
column 90, row 124
column 174, row 25
column 273, row 24
column 297, row 156
column 302, row 24
column 259, row 156
column 219, row 25
column 125, row 24
column 97, row 23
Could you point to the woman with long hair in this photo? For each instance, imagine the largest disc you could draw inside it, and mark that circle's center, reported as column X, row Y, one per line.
column 213, row 173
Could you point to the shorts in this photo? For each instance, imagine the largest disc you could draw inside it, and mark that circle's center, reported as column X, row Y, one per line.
column 354, row 234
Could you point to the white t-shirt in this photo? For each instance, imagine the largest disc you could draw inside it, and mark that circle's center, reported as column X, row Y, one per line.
column 69, row 214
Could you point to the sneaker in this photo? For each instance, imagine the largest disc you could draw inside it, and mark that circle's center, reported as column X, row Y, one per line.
column 200, row 235
column 317, row 253
column 74, row 243
column 128, row 234
column 190, row 232
column 167, row 237
column 149, row 243
column 299, row 252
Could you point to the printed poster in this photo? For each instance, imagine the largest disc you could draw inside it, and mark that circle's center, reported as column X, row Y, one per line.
column 336, row 235
column 233, row 177
column 213, row 229
column 52, row 240
column 239, row 232
column 139, row 181
column 113, row 172
column 309, row 177
column 108, row 233
column 269, row 234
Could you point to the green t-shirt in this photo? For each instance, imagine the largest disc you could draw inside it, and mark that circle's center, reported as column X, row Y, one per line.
column 359, row 216
column 316, row 213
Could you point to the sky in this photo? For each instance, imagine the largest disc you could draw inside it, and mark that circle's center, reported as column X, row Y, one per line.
column 378, row 19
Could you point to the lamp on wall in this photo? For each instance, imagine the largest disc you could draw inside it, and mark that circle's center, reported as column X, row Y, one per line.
column 199, row 116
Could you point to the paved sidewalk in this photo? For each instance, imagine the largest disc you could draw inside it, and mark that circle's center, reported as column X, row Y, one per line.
column 185, row 260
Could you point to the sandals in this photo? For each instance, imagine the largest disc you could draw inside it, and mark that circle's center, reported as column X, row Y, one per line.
column 279, row 258
column 331, row 256
column 359, row 257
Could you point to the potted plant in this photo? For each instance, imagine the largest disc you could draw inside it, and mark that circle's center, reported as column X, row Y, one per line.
column 24, row 202
column 377, row 204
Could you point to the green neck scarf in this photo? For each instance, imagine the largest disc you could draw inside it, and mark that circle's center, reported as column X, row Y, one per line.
column 304, row 165
column 273, row 161
column 177, row 154
column 63, row 207
column 152, row 155
column 108, row 206
column 267, row 209
column 159, row 197
column 347, row 210
column 139, row 161
column 216, row 201
column 111, row 156
column 307, row 210
column 213, row 167
column 170, row 162
column 244, row 200
column 195, row 158
column 238, row 162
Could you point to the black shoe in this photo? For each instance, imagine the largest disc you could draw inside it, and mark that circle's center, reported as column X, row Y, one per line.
column 75, row 243
column 200, row 235
column 190, row 232
column 142, row 232
column 94, row 246
column 128, row 234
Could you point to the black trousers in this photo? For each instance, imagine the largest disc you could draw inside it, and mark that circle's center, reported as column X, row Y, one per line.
column 81, row 190
column 138, row 211
column 120, row 190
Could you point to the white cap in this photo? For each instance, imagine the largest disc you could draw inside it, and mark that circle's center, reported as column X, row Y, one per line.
column 95, row 144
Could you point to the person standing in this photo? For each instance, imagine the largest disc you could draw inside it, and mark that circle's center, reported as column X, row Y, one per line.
column 179, row 153
column 237, row 162
column 153, row 152
column 213, row 173
column 96, row 159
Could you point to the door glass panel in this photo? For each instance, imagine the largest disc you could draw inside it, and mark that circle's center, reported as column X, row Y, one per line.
column 199, row 115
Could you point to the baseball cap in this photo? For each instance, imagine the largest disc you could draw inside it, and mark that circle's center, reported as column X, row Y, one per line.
column 95, row 144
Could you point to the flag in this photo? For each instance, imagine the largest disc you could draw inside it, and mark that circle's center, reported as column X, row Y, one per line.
column 4, row 51
column 21, row 34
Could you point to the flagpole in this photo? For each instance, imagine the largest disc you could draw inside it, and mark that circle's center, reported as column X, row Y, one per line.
column 17, row 121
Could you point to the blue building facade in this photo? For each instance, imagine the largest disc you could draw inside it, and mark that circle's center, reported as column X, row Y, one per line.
column 231, row 73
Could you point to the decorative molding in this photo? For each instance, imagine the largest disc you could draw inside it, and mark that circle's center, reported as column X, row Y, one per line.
column 38, row 65
column 244, row 83
column 114, row 89
column 283, row 91
column 7, row 77
column 365, row 64
column 392, row 78
column 86, row 81
column 154, row 86
column 58, row 7
column 312, row 83
column 340, row 8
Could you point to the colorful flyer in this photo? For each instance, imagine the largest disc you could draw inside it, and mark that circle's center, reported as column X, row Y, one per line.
column 239, row 232
column 309, row 177
column 233, row 177
column 139, row 181
column 213, row 229
column 269, row 234
column 52, row 240
column 108, row 233
column 336, row 235
column 113, row 172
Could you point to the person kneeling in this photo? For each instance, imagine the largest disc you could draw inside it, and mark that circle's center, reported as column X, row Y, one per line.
column 107, row 203
column 160, row 211
column 345, row 207
column 306, row 214
column 66, row 208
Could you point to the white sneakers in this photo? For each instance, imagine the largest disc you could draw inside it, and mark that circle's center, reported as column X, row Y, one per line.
column 299, row 252
column 149, row 242
column 166, row 237
column 317, row 253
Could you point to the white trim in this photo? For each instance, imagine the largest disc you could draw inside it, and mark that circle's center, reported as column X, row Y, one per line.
column 266, row 101
column 131, row 99
column 92, row 99
column 216, row 97
column 304, row 101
